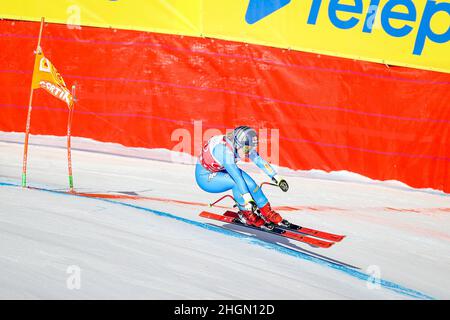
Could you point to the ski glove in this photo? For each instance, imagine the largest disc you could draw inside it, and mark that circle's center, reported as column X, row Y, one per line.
column 280, row 182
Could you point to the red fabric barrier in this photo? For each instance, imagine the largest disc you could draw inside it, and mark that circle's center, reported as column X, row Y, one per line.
column 136, row 88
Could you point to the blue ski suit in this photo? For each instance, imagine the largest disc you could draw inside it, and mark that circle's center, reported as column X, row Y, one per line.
column 224, row 174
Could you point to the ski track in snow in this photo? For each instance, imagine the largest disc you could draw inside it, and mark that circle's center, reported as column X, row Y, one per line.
column 145, row 249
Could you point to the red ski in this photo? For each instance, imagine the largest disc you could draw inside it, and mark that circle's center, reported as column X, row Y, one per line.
column 272, row 229
column 290, row 226
column 315, row 233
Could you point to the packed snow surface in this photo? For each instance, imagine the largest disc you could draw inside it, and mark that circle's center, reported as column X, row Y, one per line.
column 142, row 238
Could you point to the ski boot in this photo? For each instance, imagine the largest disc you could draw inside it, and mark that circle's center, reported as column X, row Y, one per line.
column 251, row 218
column 270, row 215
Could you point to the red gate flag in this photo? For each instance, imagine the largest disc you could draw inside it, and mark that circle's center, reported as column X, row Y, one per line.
column 46, row 76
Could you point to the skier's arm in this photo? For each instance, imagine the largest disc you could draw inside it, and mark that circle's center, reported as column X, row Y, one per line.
column 267, row 168
column 262, row 164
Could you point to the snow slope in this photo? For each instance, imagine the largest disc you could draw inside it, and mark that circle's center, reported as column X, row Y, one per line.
column 146, row 244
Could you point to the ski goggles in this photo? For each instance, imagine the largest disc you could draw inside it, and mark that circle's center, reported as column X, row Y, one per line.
column 249, row 145
column 247, row 149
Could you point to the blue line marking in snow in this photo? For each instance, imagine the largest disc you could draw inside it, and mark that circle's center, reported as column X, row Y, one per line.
column 268, row 245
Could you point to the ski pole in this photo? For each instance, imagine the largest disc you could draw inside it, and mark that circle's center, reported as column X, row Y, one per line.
column 283, row 185
column 254, row 207
column 220, row 199
column 268, row 183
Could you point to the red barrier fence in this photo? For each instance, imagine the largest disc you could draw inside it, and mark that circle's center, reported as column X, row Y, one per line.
column 136, row 88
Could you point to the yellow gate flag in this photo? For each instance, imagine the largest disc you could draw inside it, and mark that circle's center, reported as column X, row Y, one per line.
column 46, row 76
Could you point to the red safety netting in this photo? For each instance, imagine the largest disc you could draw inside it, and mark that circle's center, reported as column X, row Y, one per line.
column 137, row 88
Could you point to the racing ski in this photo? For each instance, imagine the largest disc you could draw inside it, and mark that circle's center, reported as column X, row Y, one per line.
column 290, row 226
column 269, row 228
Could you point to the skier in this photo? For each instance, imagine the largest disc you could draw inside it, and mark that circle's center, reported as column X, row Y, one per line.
column 216, row 171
